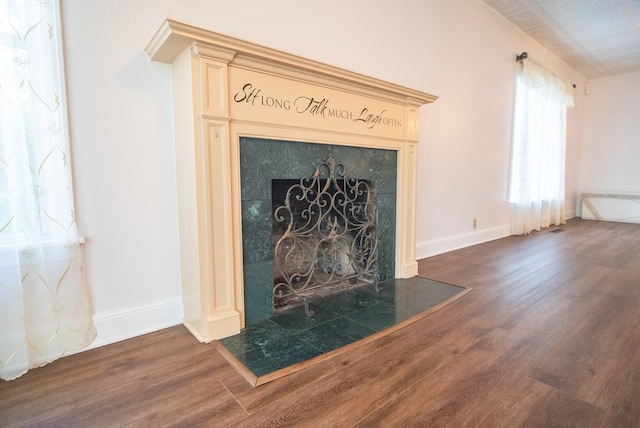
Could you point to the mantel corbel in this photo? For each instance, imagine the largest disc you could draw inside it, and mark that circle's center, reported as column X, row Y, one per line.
column 202, row 50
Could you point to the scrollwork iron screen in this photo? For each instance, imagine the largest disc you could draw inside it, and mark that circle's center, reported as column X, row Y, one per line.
column 324, row 232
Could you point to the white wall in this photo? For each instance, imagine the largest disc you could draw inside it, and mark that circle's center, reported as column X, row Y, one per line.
column 466, row 136
column 121, row 123
column 611, row 137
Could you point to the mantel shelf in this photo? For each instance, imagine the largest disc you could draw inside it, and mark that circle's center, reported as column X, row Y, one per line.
column 174, row 37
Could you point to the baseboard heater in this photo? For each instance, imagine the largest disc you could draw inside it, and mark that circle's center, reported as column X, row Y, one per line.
column 622, row 207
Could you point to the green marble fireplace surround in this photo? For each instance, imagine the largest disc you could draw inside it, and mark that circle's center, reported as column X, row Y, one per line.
column 262, row 160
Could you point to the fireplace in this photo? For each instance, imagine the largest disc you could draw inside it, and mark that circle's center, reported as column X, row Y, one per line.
column 235, row 101
column 265, row 161
column 324, row 225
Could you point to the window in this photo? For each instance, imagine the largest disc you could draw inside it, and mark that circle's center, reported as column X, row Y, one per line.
column 44, row 310
column 36, row 200
column 537, row 190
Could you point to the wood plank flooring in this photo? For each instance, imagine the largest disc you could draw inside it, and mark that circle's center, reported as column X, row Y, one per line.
column 549, row 336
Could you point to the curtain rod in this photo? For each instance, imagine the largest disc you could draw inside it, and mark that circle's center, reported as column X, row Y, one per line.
column 524, row 55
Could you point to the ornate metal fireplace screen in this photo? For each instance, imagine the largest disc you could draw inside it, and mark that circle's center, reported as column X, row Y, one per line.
column 325, row 233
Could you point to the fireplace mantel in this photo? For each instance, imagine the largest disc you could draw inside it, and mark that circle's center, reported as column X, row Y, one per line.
column 225, row 89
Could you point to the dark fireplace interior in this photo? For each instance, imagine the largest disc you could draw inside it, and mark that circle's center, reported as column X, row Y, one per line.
column 284, row 163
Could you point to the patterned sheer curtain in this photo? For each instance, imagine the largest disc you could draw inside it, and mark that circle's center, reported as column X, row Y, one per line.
column 44, row 306
column 537, row 187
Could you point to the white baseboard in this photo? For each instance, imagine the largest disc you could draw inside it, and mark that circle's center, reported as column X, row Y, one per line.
column 121, row 325
column 438, row 246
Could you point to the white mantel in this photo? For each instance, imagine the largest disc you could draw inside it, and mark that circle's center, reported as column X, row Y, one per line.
column 224, row 89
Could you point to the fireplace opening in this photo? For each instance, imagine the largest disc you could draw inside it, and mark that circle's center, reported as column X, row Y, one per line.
column 324, row 234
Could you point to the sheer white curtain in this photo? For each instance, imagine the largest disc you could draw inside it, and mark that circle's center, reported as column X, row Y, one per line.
column 44, row 306
column 537, row 187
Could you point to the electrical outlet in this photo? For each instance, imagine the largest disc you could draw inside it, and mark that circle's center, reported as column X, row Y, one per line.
column 475, row 223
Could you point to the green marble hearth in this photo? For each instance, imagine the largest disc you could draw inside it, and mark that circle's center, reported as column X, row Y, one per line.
column 275, row 346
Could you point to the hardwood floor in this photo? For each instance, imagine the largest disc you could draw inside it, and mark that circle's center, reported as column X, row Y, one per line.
column 549, row 336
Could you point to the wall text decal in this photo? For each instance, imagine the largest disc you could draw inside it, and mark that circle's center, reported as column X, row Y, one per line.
column 323, row 107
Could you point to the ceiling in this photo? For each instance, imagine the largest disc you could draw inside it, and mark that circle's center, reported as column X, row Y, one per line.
column 596, row 37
